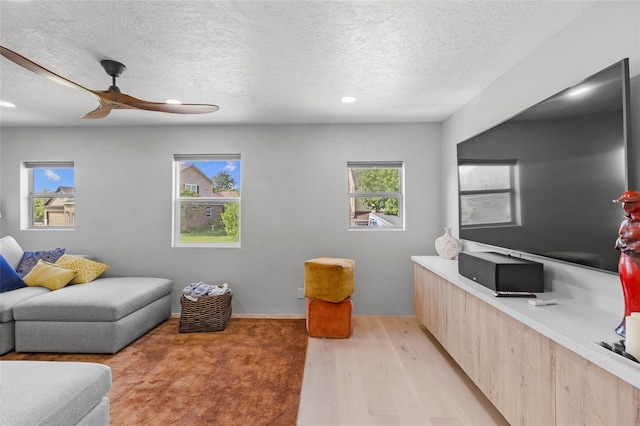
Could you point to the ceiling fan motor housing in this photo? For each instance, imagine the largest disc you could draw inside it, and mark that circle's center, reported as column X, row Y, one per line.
column 113, row 68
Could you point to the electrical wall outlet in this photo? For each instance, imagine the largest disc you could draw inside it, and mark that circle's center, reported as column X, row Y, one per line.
column 300, row 293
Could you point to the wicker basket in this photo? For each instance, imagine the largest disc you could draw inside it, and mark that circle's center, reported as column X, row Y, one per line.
column 209, row 313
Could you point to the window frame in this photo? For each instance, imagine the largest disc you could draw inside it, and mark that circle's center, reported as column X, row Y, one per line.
column 207, row 201
column 353, row 195
column 28, row 194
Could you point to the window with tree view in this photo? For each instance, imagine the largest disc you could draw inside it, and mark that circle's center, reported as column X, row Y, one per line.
column 375, row 191
column 207, row 200
column 51, row 193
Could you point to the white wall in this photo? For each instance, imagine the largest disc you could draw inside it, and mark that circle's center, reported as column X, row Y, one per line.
column 604, row 34
column 294, row 206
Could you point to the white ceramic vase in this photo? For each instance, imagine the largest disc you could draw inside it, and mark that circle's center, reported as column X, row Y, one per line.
column 447, row 246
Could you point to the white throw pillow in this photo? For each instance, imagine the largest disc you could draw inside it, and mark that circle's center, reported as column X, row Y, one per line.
column 11, row 251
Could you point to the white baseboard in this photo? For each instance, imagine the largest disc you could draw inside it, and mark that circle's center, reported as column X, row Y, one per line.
column 258, row 316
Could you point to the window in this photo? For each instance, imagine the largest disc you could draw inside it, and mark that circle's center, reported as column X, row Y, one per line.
column 206, row 200
column 189, row 187
column 375, row 195
column 50, row 195
column 487, row 194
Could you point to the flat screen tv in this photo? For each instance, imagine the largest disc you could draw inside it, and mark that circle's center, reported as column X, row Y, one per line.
column 543, row 181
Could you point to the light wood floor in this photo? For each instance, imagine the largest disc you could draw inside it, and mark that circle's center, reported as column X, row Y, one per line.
column 391, row 371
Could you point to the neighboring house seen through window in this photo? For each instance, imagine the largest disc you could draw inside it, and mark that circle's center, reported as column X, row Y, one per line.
column 50, row 190
column 375, row 192
column 207, row 200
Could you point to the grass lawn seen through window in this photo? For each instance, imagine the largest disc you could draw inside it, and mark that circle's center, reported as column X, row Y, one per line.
column 204, row 236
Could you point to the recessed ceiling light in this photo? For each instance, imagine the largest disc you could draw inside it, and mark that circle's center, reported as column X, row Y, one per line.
column 173, row 101
column 7, row 104
column 348, row 99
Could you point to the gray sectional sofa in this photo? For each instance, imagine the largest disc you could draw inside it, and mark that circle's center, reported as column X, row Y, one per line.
column 102, row 316
column 54, row 393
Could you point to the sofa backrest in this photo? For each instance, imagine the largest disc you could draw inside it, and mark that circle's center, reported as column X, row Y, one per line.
column 11, row 251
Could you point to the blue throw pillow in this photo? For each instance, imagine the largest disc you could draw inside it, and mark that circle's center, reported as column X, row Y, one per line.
column 30, row 258
column 9, row 279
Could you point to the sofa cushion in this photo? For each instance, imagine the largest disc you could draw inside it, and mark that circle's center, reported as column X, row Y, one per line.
column 31, row 258
column 51, row 393
column 9, row 279
column 11, row 251
column 49, row 275
column 105, row 299
column 11, row 298
column 88, row 270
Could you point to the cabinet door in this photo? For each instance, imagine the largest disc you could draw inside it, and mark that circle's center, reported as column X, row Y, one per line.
column 456, row 334
column 481, row 360
column 429, row 289
column 588, row 395
column 419, row 303
column 510, row 363
column 526, row 390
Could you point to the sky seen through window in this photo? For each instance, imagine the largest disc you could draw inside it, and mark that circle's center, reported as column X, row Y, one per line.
column 212, row 168
column 47, row 179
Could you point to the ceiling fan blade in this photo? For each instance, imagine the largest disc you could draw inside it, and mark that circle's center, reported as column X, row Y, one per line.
column 100, row 112
column 40, row 70
column 175, row 108
column 116, row 100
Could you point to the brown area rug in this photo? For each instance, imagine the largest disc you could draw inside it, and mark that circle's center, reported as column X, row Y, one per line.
column 248, row 374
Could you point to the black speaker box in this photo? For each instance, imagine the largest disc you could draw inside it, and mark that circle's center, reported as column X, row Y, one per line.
column 501, row 272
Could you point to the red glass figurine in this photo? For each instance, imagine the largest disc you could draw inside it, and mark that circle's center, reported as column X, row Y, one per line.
column 629, row 245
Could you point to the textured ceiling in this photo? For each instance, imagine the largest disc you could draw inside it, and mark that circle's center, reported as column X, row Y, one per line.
column 268, row 61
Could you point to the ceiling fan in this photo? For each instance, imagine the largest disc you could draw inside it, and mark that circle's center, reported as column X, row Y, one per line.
column 112, row 98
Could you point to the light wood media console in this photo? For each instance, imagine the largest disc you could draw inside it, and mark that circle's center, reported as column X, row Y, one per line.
column 537, row 364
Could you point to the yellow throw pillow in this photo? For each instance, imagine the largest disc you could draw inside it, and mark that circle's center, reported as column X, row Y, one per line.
column 49, row 275
column 88, row 270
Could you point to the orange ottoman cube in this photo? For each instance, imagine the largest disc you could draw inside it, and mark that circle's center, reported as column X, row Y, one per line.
column 329, row 319
column 328, row 278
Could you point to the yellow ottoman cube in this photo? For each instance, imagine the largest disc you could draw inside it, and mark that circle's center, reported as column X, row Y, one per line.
column 328, row 278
